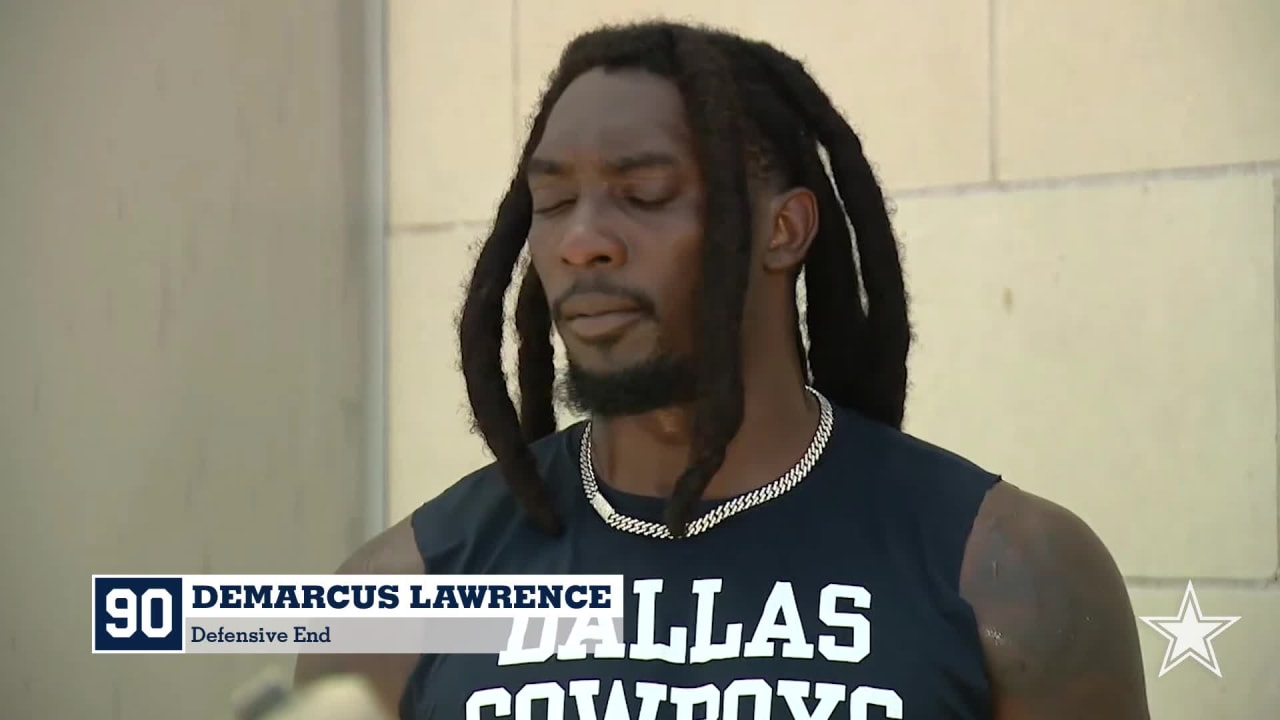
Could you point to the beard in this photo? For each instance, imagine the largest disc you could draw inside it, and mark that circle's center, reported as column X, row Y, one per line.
column 660, row 382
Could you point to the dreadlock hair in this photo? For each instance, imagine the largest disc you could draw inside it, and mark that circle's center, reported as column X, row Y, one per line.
column 751, row 108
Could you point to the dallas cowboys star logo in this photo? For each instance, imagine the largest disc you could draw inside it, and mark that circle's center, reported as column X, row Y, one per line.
column 1190, row 634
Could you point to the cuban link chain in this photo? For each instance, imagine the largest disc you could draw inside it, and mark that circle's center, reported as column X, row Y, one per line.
column 720, row 513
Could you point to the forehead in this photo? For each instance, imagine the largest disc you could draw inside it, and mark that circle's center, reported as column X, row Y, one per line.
column 616, row 111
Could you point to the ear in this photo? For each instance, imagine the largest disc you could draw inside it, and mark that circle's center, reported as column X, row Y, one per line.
column 793, row 224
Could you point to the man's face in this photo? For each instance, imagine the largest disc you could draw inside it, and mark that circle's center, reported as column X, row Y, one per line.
column 616, row 233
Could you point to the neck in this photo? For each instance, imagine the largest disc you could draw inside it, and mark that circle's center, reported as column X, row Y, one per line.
column 646, row 454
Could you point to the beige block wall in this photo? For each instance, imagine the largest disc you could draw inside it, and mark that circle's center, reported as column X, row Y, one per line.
column 182, row 314
column 1087, row 195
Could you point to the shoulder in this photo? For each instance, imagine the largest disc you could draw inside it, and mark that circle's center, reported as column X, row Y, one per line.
column 1027, row 556
column 912, row 464
column 472, row 502
column 392, row 552
column 1053, row 613
column 914, row 483
column 478, row 515
column 485, row 486
column 455, row 524
column 478, row 500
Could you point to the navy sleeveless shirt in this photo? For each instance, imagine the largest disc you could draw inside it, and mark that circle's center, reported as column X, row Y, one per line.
column 839, row 599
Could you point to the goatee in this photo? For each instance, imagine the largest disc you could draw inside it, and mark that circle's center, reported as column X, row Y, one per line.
column 661, row 382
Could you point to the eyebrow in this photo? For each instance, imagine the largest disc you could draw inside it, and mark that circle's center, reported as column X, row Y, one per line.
column 618, row 166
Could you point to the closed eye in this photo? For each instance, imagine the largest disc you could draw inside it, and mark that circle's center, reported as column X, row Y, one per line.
column 553, row 208
column 649, row 204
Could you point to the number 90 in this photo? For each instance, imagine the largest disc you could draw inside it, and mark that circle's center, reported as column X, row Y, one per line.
column 134, row 613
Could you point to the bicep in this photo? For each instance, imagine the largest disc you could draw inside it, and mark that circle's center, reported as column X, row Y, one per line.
column 394, row 552
column 1056, row 623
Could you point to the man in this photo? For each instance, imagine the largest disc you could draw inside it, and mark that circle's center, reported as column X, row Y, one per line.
column 788, row 552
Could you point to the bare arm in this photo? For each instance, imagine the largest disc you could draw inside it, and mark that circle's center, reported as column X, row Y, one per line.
column 394, row 552
column 1057, row 628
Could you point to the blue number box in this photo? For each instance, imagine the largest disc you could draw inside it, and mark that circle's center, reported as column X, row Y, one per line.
column 138, row 614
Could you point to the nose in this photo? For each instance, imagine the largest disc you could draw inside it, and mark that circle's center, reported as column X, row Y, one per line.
column 590, row 243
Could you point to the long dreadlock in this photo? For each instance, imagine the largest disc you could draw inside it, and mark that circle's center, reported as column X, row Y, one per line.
column 738, row 94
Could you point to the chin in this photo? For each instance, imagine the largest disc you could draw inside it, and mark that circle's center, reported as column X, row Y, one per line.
column 611, row 357
column 620, row 388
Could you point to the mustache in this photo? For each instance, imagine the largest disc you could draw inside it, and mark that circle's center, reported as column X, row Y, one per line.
column 644, row 304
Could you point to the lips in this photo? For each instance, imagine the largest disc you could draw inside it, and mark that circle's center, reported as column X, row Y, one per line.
column 587, row 306
column 596, row 317
column 603, row 326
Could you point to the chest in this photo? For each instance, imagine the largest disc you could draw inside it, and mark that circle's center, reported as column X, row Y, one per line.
column 761, row 639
